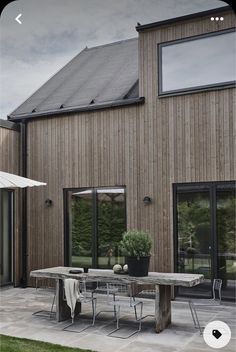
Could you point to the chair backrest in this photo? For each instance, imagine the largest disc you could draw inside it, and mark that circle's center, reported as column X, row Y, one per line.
column 117, row 290
column 217, row 284
column 84, row 291
column 87, row 287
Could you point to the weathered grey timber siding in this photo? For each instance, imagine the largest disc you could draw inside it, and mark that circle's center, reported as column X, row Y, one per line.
column 191, row 137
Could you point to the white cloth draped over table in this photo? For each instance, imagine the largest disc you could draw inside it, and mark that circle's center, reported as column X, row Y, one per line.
column 72, row 293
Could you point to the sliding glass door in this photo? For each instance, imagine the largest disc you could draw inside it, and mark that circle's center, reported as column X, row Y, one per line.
column 5, row 237
column 226, row 229
column 194, row 235
column 205, row 235
column 95, row 219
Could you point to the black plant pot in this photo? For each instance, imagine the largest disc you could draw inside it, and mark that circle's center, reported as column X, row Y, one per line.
column 138, row 266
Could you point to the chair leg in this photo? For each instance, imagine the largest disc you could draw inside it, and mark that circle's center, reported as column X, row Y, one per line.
column 117, row 322
column 195, row 317
column 109, row 311
column 145, row 316
column 118, row 326
column 141, row 316
column 46, row 313
column 53, row 302
column 94, row 303
column 86, row 327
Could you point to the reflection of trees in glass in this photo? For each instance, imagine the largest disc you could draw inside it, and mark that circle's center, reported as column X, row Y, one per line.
column 226, row 225
column 81, row 226
column 106, row 216
column 111, row 223
column 193, row 222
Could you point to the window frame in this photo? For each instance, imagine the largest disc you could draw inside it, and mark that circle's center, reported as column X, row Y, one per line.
column 189, row 187
column 11, row 224
column 195, row 89
column 94, row 190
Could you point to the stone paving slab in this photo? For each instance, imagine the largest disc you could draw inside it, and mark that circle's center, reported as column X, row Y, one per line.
column 17, row 306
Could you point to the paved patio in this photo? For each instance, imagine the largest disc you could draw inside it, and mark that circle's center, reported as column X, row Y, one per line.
column 17, row 306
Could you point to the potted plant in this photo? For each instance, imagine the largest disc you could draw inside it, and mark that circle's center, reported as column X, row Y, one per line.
column 136, row 246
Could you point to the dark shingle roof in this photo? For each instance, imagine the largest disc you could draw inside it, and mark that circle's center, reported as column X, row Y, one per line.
column 98, row 75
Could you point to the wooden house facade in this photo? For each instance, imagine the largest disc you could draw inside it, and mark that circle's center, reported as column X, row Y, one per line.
column 155, row 158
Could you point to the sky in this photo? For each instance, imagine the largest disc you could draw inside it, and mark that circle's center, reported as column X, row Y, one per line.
column 54, row 31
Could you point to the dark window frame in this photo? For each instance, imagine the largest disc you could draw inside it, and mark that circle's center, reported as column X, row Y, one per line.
column 94, row 228
column 11, row 224
column 196, row 89
column 190, row 187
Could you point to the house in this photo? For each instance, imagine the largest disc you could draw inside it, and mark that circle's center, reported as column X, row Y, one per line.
column 134, row 134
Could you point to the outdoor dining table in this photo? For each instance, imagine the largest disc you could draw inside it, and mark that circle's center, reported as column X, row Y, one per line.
column 161, row 281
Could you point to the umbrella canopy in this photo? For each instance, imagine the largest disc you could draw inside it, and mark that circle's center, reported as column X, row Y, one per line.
column 14, row 181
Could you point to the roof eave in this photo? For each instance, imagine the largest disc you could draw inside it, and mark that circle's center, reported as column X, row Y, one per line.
column 9, row 125
column 84, row 108
column 143, row 27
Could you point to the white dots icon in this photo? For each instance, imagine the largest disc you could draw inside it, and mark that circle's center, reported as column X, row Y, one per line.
column 217, row 18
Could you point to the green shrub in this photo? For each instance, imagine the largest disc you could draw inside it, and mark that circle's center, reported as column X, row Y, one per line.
column 136, row 244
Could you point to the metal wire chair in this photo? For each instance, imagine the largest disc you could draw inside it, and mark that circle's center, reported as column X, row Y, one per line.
column 46, row 313
column 123, row 299
column 85, row 296
column 149, row 294
column 105, row 290
column 216, row 287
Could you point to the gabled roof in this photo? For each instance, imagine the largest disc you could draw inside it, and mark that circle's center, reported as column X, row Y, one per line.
column 96, row 77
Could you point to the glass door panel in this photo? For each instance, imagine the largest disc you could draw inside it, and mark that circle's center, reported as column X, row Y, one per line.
column 96, row 219
column 226, row 238
column 194, row 239
column 111, row 224
column 81, row 228
column 5, row 237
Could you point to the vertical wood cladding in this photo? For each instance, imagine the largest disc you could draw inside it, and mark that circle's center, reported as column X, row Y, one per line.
column 9, row 156
column 192, row 136
column 10, row 162
column 147, row 148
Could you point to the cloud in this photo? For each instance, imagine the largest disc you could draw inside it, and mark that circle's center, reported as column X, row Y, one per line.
column 53, row 31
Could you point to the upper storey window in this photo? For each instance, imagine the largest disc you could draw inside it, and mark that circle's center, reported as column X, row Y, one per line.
column 197, row 63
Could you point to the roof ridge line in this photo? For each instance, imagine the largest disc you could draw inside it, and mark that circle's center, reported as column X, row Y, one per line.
column 113, row 43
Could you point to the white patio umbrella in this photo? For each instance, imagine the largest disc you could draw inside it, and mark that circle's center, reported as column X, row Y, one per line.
column 14, row 181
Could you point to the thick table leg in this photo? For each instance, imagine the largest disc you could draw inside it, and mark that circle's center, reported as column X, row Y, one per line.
column 162, row 307
column 62, row 309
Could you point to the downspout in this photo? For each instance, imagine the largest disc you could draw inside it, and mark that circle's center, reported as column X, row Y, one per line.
column 24, row 204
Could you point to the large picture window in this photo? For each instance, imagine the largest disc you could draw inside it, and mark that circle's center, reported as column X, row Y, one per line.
column 95, row 222
column 195, row 63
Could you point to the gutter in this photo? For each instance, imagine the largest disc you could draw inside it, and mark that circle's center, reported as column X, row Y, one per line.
column 24, row 205
column 83, row 108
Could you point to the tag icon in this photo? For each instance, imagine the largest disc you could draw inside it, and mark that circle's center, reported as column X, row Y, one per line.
column 216, row 334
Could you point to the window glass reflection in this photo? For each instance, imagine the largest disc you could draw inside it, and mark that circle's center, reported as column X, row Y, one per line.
column 199, row 62
column 97, row 220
